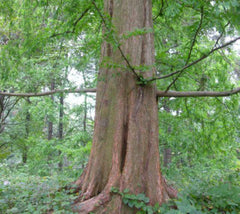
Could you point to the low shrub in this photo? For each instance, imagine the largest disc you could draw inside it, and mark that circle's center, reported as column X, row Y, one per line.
column 21, row 193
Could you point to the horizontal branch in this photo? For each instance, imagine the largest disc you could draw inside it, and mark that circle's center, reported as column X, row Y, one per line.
column 197, row 93
column 41, row 94
column 159, row 93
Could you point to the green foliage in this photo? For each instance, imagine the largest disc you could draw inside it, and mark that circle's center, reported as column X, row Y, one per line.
column 142, row 81
column 201, row 197
column 139, row 201
column 197, row 197
column 207, row 187
column 137, row 32
column 198, row 129
column 22, row 193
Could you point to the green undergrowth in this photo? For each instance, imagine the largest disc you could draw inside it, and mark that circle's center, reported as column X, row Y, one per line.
column 201, row 190
column 201, row 198
column 196, row 199
column 205, row 188
column 139, row 201
column 24, row 193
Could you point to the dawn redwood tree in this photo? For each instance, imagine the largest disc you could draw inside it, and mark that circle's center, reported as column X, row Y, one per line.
column 125, row 150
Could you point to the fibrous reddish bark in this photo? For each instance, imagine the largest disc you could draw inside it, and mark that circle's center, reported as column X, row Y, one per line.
column 125, row 144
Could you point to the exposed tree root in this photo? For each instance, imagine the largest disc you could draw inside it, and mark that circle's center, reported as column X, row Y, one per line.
column 95, row 203
column 171, row 192
column 107, row 202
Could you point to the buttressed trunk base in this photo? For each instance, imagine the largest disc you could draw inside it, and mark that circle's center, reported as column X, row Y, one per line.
column 125, row 150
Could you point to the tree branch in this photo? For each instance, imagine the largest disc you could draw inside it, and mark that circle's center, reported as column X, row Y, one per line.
column 159, row 93
column 216, row 43
column 160, row 12
column 191, row 48
column 3, row 144
column 41, row 94
column 9, row 110
column 74, row 25
column 198, row 93
column 195, row 37
column 194, row 62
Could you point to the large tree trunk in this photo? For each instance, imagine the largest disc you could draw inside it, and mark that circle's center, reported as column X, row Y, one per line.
column 125, row 150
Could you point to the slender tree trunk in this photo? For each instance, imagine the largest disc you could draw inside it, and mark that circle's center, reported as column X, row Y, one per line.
column 1, row 113
column 125, row 150
column 167, row 152
column 85, row 114
column 24, row 154
column 27, row 130
column 60, row 126
column 61, row 114
column 85, row 107
column 50, row 123
column 167, row 156
column 50, row 130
